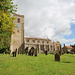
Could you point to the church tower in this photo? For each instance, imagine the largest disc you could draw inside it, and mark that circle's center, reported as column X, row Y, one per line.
column 17, row 38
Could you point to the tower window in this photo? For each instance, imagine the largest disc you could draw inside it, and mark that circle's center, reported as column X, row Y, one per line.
column 27, row 40
column 18, row 20
column 33, row 41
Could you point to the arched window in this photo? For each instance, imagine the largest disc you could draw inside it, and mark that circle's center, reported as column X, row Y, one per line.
column 18, row 20
column 42, row 41
column 27, row 40
column 33, row 41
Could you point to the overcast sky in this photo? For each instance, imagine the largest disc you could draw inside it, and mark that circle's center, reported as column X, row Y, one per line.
column 54, row 19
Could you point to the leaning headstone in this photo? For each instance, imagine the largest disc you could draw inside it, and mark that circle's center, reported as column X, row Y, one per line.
column 46, row 53
column 13, row 54
column 32, row 52
column 57, row 57
column 35, row 52
column 29, row 53
column 26, row 51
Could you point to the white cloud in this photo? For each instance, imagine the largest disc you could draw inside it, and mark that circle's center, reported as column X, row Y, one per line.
column 47, row 18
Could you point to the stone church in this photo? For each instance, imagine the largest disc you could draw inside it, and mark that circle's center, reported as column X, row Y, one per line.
column 19, row 42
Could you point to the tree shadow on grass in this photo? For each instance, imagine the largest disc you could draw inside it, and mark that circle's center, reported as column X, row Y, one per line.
column 11, row 56
column 68, row 62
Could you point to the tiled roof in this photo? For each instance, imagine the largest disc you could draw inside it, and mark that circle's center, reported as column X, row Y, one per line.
column 69, row 47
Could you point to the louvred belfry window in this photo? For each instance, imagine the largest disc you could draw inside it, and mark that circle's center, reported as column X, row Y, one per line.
column 18, row 20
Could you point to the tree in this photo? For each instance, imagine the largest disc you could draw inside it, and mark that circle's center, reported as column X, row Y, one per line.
column 73, row 45
column 7, row 6
column 6, row 27
column 6, row 22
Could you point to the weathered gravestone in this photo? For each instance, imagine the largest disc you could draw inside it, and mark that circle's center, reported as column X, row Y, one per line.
column 35, row 52
column 31, row 51
column 46, row 53
column 15, row 53
column 57, row 57
column 26, row 51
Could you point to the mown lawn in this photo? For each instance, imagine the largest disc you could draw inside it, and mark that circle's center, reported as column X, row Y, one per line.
column 41, row 65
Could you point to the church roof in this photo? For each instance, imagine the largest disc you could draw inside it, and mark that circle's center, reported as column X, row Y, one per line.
column 69, row 47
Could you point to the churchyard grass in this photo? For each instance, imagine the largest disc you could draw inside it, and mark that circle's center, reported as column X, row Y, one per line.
column 40, row 65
